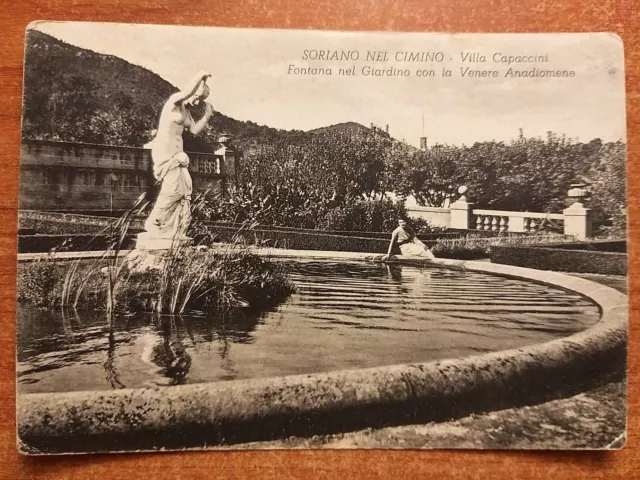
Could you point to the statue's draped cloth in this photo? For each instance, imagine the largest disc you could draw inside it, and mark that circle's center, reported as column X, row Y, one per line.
column 171, row 214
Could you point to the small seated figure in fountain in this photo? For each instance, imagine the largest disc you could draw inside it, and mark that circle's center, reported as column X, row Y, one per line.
column 171, row 213
column 408, row 242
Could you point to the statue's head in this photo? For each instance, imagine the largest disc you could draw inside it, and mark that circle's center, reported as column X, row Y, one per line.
column 201, row 94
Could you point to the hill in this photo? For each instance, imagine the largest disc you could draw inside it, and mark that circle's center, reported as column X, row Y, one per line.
column 347, row 127
column 73, row 94
column 77, row 95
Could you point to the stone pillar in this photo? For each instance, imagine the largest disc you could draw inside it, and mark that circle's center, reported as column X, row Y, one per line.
column 461, row 211
column 577, row 221
column 226, row 160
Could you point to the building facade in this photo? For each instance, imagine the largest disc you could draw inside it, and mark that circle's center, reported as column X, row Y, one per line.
column 59, row 176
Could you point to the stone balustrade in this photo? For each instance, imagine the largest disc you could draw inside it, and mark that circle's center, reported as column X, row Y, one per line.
column 576, row 219
column 506, row 221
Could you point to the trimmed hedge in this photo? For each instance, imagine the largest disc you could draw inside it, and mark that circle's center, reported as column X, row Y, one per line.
column 265, row 238
column 73, row 232
column 429, row 236
column 302, row 240
column 260, row 237
column 561, row 259
column 48, row 223
column 68, row 243
column 47, row 227
column 615, row 246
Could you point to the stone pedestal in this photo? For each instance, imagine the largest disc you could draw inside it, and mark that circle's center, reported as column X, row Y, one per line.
column 146, row 241
column 150, row 251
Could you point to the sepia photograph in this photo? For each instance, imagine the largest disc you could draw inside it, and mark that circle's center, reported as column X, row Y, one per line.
column 287, row 239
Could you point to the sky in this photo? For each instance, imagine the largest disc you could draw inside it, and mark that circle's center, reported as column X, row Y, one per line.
column 250, row 79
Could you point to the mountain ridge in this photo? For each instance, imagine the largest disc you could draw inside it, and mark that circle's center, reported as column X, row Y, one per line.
column 74, row 94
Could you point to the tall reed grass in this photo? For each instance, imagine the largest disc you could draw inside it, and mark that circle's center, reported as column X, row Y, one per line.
column 186, row 278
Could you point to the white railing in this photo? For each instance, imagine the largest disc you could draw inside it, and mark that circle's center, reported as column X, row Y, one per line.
column 505, row 221
column 576, row 219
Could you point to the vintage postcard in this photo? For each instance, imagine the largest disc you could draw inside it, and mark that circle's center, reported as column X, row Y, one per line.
column 248, row 239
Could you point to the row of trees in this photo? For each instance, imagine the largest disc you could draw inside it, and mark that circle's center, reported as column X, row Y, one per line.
column 328, row 180
column 527, row 174
column 333, row 180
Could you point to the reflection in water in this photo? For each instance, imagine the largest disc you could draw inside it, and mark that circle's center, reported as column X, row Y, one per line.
column 347, row 315
column 226, row 363
column 395, row 273
column 170, row 354
column 109, row 367
column 408, row 280
column 171, row 341
column 66, row 325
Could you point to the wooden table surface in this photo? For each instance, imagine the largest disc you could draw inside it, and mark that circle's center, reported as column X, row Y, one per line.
column 620, row 16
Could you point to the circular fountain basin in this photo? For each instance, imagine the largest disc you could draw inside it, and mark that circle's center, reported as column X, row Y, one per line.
column 343, row 316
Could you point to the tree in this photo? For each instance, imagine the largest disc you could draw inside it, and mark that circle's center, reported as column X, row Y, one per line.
column 526, row 174
column 609, row 187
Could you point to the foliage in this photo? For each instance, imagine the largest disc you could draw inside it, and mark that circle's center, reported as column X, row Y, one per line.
column 283, row 209
column 332, row 167
column 77, row 95
column 609, row 188
column 40, row 283
column 186, row 278
column 527, row 174
column 380, row 215
column 332, row 179
column 428, row 175
column 231, row 279
column 324, row 182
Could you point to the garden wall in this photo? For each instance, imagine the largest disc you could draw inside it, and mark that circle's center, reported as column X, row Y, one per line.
column 75, row 176
column 438, row 217
column 43, row 231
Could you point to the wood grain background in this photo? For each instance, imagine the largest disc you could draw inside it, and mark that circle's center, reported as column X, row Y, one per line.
column 620, row 16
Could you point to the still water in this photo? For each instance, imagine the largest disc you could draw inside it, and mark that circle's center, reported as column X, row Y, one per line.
column 343, row 316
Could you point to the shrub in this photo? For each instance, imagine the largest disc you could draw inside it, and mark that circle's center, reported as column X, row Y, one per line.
column 300, row 240
column 138, row 292
column 205, row 281
column 40, row 283
column 463, row 248
column 196, row 281
column 379, row 215
column 283, row 208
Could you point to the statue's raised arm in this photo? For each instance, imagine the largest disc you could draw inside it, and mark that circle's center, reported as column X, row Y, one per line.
column 192, row 89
